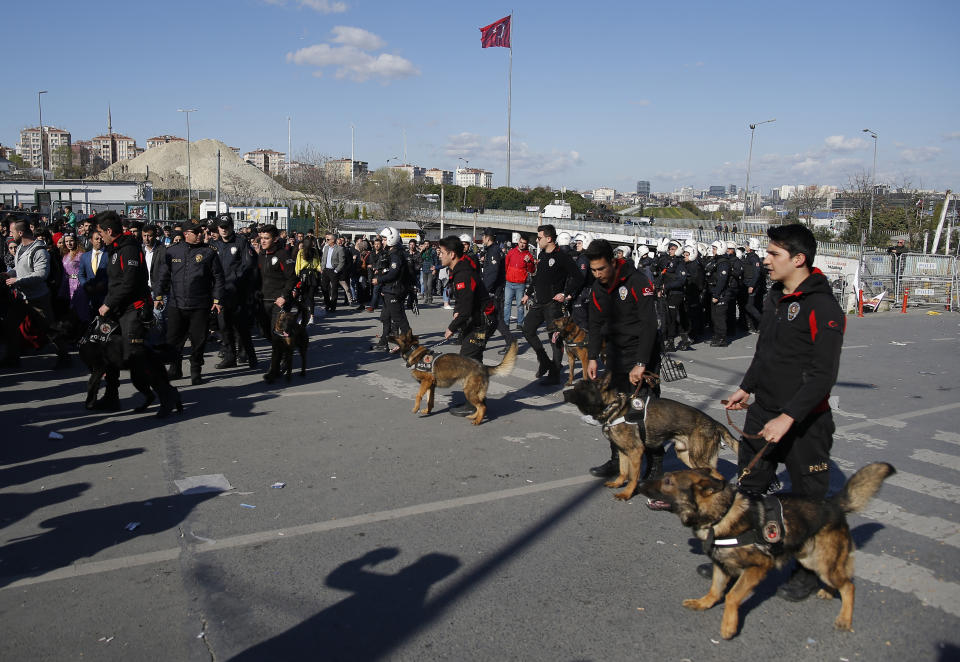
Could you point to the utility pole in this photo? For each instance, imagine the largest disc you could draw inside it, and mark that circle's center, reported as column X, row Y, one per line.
column 873, row 179
column 43, row 174
column 189, row 185
column 746, row 190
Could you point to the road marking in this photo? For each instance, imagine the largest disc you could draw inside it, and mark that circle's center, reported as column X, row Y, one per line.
column 908, row 578
column 897, row 420
column 930, row 487
column 941, row 339
column 949, row 437
column 865, row 439
column 933, row 457
column 734, row 358
column 854, row 346
column 286, row 394
column 244, row 540
column 935, row 528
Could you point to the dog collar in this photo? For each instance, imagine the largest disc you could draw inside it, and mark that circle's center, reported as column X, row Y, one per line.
column 618, row 421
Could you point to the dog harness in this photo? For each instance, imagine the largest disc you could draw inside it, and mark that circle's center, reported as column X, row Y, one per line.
column 424, row 363
column 99, row 331
column 770, row 531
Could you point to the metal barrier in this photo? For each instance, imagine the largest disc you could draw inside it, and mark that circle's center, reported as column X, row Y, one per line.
column 930, row 279
column 879, row 274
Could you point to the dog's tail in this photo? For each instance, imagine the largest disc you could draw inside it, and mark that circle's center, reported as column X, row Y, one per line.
column 506, row 366
column 862, row 486
column 728, row 439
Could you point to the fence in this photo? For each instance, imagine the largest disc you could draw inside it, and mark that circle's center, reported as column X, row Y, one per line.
column 930, row 279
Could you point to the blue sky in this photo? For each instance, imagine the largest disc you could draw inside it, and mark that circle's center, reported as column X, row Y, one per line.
column 604, row 93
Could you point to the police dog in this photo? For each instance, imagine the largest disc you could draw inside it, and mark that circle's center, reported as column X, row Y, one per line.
column 447, row 369
column 574, row 339
column 815, row 532
column 101, row 348
column 288, row 334
column 696, row 436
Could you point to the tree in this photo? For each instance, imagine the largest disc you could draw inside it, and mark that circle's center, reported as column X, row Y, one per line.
column 322, row 191
column 393, row 191
column 805, row 201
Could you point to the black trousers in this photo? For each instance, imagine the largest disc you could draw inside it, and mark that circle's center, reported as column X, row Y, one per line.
column 392, row 315
column 133, row 332
column 182, row 323
column 330, row 283
column 805, row 450
column 474, row 342
column 499, row 324
column 234, row 323
column 718, row 316
column 543, row 314
column 751, row 309
column 694, row 310
column 676, row 316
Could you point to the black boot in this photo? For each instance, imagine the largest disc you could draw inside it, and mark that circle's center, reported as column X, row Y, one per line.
column 229, row 361
column 552, row 378
column 109, row 402
column 176, row 370
column 801, row 584
column 610, row 468
column 669, row 346
column 544, row 367
column 195, row 378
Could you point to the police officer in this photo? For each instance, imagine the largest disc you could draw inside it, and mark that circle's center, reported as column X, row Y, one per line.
column 718, row 281
column 692, row 293
column 737, row 298
column 622, row 311
column 794, row 367
column 394, row 281
column 579, row 309
column 675, row 283
column 239, row 264
column 127, row 301
column 754, row 284
column 474, row 313
column 192, row 279
column 493, row 271
column 555, row 280
column 278, row 281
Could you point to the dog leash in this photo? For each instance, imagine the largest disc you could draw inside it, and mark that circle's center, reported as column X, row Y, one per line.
column 756, row 458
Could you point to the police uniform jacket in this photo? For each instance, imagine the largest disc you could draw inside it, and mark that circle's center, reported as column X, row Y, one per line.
column 278, row 277
column 494, row 269
column 694, row 280
column 239, row 263
column 719, row 277
column 473, row 301
column 627, row 307
column 798, row 350
column 191, row 275
column 126, row 275
column 675, row 278
column 752, row 270
column 392, row 269
column 556, row 272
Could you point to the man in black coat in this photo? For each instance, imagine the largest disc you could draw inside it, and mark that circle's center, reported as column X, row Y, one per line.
column 239, row 264
column 493, row 271
column 192, row 279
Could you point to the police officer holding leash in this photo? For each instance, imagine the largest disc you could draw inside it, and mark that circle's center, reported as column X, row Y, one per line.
column 794, row 367
column 623, row 304
column 393, row 279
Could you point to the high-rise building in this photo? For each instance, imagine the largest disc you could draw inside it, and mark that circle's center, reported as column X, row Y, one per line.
column 438, row 176
column 604, row 194
column 717, row 191
column 340, row 169
column 53, row 138
column 268, row 160
column 474, row 177
column 156, row 141
column 643, row 188
column 113, row 147
column 415, row 173
column 733, row 189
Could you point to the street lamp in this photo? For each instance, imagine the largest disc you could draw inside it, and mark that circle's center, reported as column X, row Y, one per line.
column 746, row 194
column 873, row 178
column 387, row 180
column 467, row 162
column 43, row 174
column 189, row 188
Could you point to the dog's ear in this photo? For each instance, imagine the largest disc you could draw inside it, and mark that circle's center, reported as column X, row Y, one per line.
column 604, row 382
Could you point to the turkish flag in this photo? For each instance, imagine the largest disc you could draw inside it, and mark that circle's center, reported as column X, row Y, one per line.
column 496, row 34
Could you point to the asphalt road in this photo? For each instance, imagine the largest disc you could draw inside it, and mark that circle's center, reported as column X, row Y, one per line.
column 400, row 537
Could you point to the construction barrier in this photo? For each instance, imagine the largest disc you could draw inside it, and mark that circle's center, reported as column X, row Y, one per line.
column 931, row 279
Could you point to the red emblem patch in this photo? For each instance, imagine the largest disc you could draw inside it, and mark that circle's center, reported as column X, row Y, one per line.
column 461, row 286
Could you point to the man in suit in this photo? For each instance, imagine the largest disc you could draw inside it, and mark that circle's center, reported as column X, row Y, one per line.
column 93, row 271
column 332, row 263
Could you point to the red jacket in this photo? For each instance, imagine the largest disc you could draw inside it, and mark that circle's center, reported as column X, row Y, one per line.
column 519, row 269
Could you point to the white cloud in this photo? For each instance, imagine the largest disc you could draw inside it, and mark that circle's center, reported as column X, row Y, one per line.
column 844, row 144
column 953, row 135
column 919, row 154
column 352, row 59
column 483, row 152
column 357, row 37
column 676, row 176
column 322, row 6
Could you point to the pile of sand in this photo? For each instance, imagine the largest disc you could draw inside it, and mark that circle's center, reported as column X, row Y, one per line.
column 165, row 167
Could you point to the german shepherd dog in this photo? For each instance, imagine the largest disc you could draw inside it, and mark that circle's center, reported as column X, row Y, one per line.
column 448, row 369
column 574, row 341
column 816, row 533
column 696, row 436
column 288, row 334
column 101, row 348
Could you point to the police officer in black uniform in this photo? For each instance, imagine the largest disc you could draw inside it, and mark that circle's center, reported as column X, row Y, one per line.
column 128, row 302
column 622, row 312
column 192, row 279
column 579, row 310
column 754, row 284
column 795, row 365
column 692, row 292
column 394, row 280
column 737, row 291
column 556, row 279
column 278, row 280
column 239, row 263
column 675, row 283
column 718, row 281
column 493, row 270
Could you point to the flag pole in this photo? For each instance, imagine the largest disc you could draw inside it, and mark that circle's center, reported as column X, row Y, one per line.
column 509, row 98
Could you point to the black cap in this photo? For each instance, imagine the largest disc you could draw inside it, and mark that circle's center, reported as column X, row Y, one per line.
column 489, row 232
column 194, row 226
